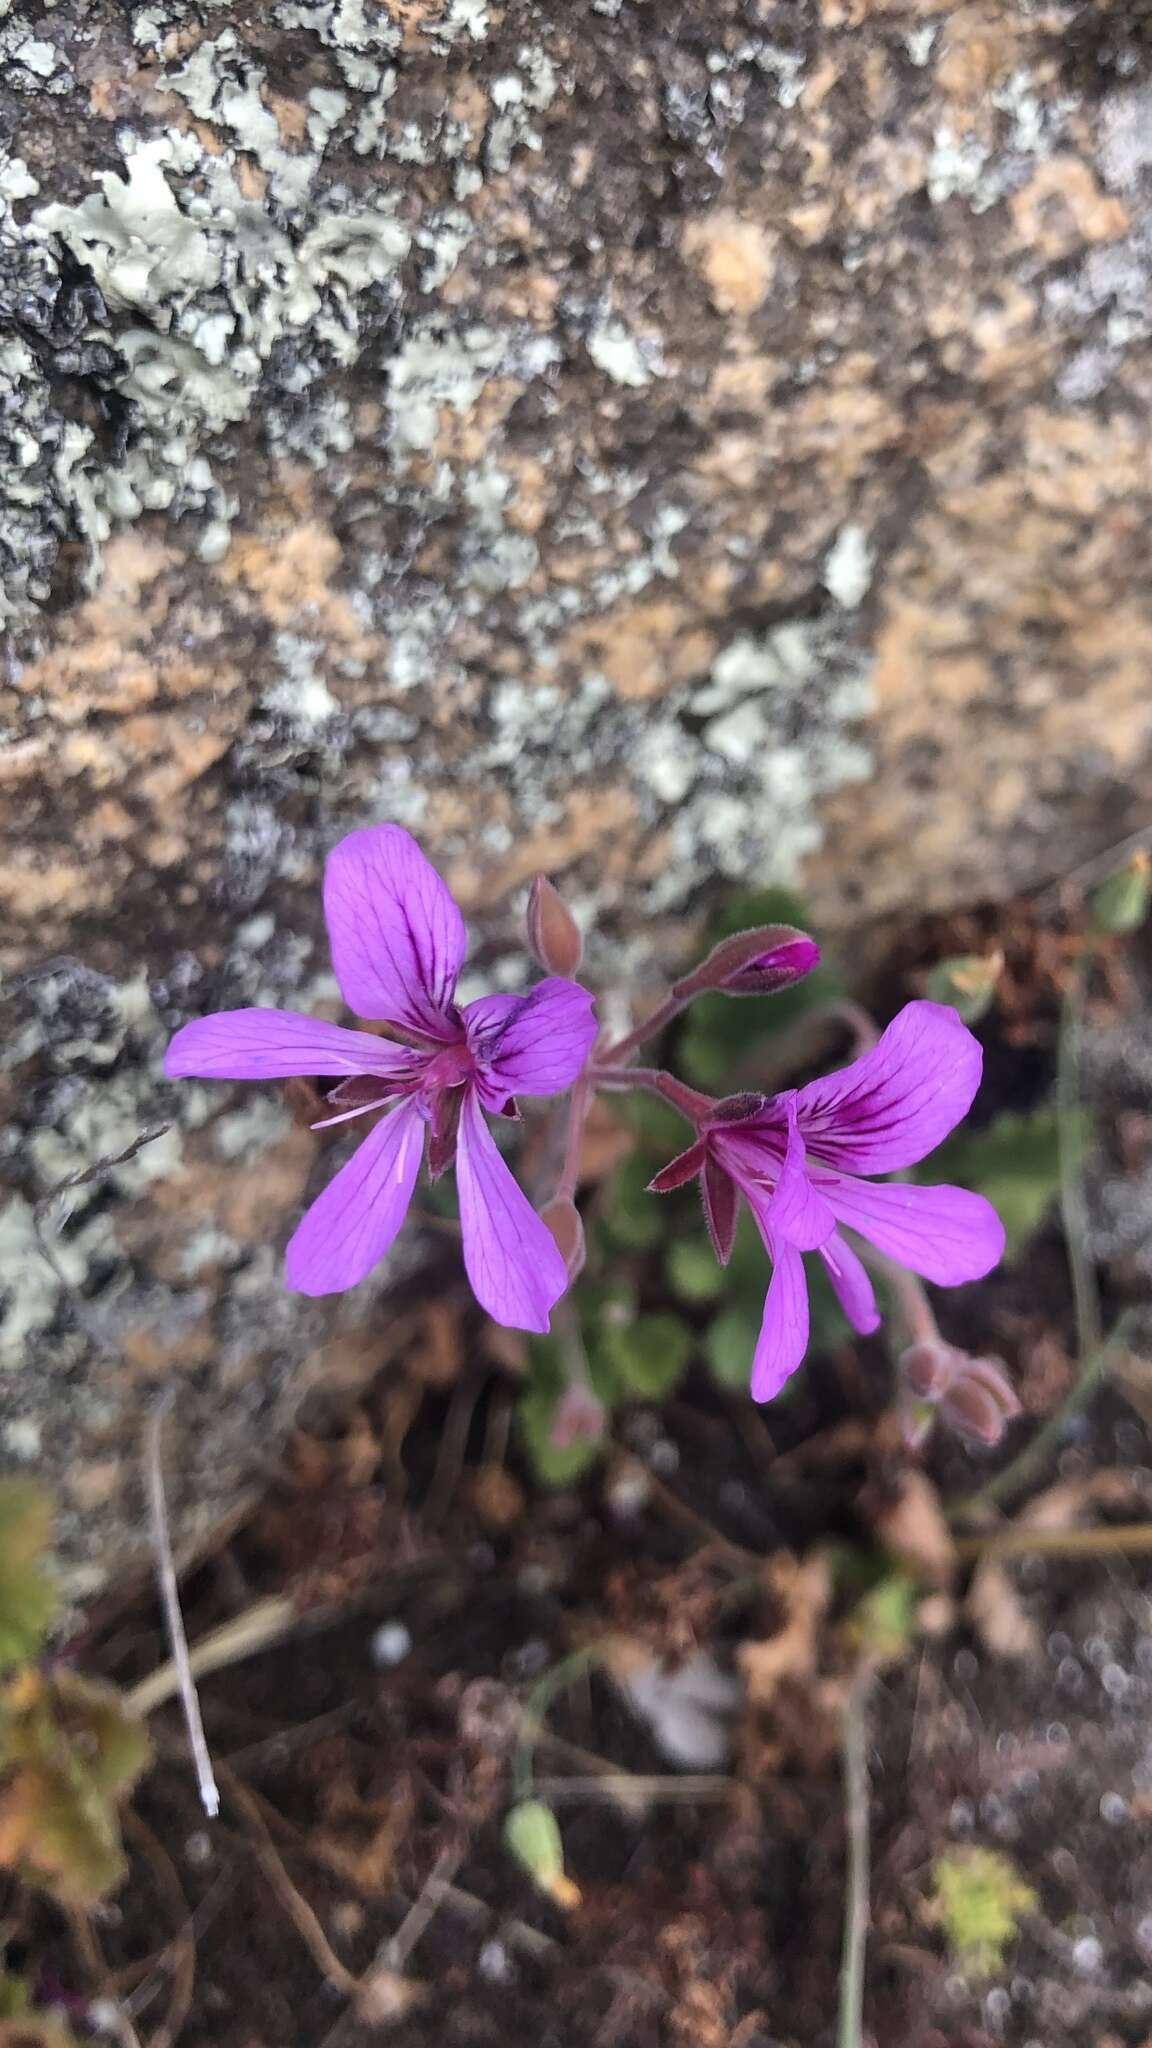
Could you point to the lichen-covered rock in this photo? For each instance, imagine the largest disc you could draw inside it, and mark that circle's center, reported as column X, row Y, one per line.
column 651, row 440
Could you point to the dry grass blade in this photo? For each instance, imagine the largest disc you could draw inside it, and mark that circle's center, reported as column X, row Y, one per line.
column 174, row 1620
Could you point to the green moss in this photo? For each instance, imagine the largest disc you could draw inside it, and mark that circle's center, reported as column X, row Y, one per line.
column 979, row 1899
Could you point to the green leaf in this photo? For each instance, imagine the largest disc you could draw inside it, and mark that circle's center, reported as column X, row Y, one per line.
column 37, row 2028
column 693, row 1269
column 28, row 1596
column 648, row 1355
column 1015, row 1163
column 553, row 1464
column 729, row 1343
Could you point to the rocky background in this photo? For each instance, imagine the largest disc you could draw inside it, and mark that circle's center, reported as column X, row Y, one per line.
column 662, row 443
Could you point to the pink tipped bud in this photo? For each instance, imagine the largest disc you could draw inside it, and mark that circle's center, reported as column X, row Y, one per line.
column 755, row 963
column 579, row 1417
column 927, row 1370
column 972, row 1396
column 553, row 933
column 562, row 1218
column 981, row 1401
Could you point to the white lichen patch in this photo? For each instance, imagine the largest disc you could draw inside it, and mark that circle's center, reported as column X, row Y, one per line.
column 623, row 357
column 848, row 566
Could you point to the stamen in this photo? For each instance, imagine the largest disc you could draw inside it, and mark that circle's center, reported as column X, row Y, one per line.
column 326, row 1122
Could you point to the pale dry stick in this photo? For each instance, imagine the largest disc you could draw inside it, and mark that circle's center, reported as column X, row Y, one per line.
column 170, row 1601
column 628, row 1788
column 394, row 1953
column 857, row 1911
column 1109, row 1540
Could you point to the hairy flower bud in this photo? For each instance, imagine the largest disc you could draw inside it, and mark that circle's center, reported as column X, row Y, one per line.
column 579, row 1417
column 972, row 1396
column 753, row 963
column 562, row 1218
column 968, row 981
column 553, row 933
column 1121, row 903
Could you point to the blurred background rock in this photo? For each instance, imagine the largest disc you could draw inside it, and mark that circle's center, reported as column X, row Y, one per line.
column 666, row 445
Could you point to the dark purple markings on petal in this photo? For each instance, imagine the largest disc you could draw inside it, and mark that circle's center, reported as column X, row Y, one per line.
column 895, row 1105
column 534, row 1044
column 398, row 940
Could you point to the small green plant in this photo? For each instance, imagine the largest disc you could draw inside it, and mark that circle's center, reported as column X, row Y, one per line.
column 69, row 1748
column 979, row 1900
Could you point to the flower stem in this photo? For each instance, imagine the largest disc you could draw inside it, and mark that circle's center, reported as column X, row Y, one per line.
column 1070, row 1129
column 1031, row 1459
column 612, row 1055
column 579, row 1103
column 691, row 1104
column 1095, row 1349
column 850, row 2020
column 532, row 1715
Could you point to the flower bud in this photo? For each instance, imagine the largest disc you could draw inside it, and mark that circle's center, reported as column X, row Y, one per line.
column 927, row 1369
column 753, row 963
column 1121, row 903
column 562, row 1218
column 972, row 1396
column 553, row 933
column 578, row 1417
column 980, row 1402
column 968, row 983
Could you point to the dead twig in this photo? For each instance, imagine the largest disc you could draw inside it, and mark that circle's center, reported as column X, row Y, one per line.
column 293, row 1902
column 394, row 1953
column 182, row 1948
column 1108, row 1540
column 170, row 1600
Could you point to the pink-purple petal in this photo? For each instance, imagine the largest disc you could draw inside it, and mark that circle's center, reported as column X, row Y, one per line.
column 351, row 1225
column 783, row 1336
column 268, row 1045
column 893, row 1106
column 513, row 1264
column 398, row 941
column 945, row 1234
column 851, row 1284
column 797, row 1212
column 534, row 1044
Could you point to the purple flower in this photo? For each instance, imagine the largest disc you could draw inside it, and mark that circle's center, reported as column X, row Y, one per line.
column 398, row 944
column 796, row 1159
